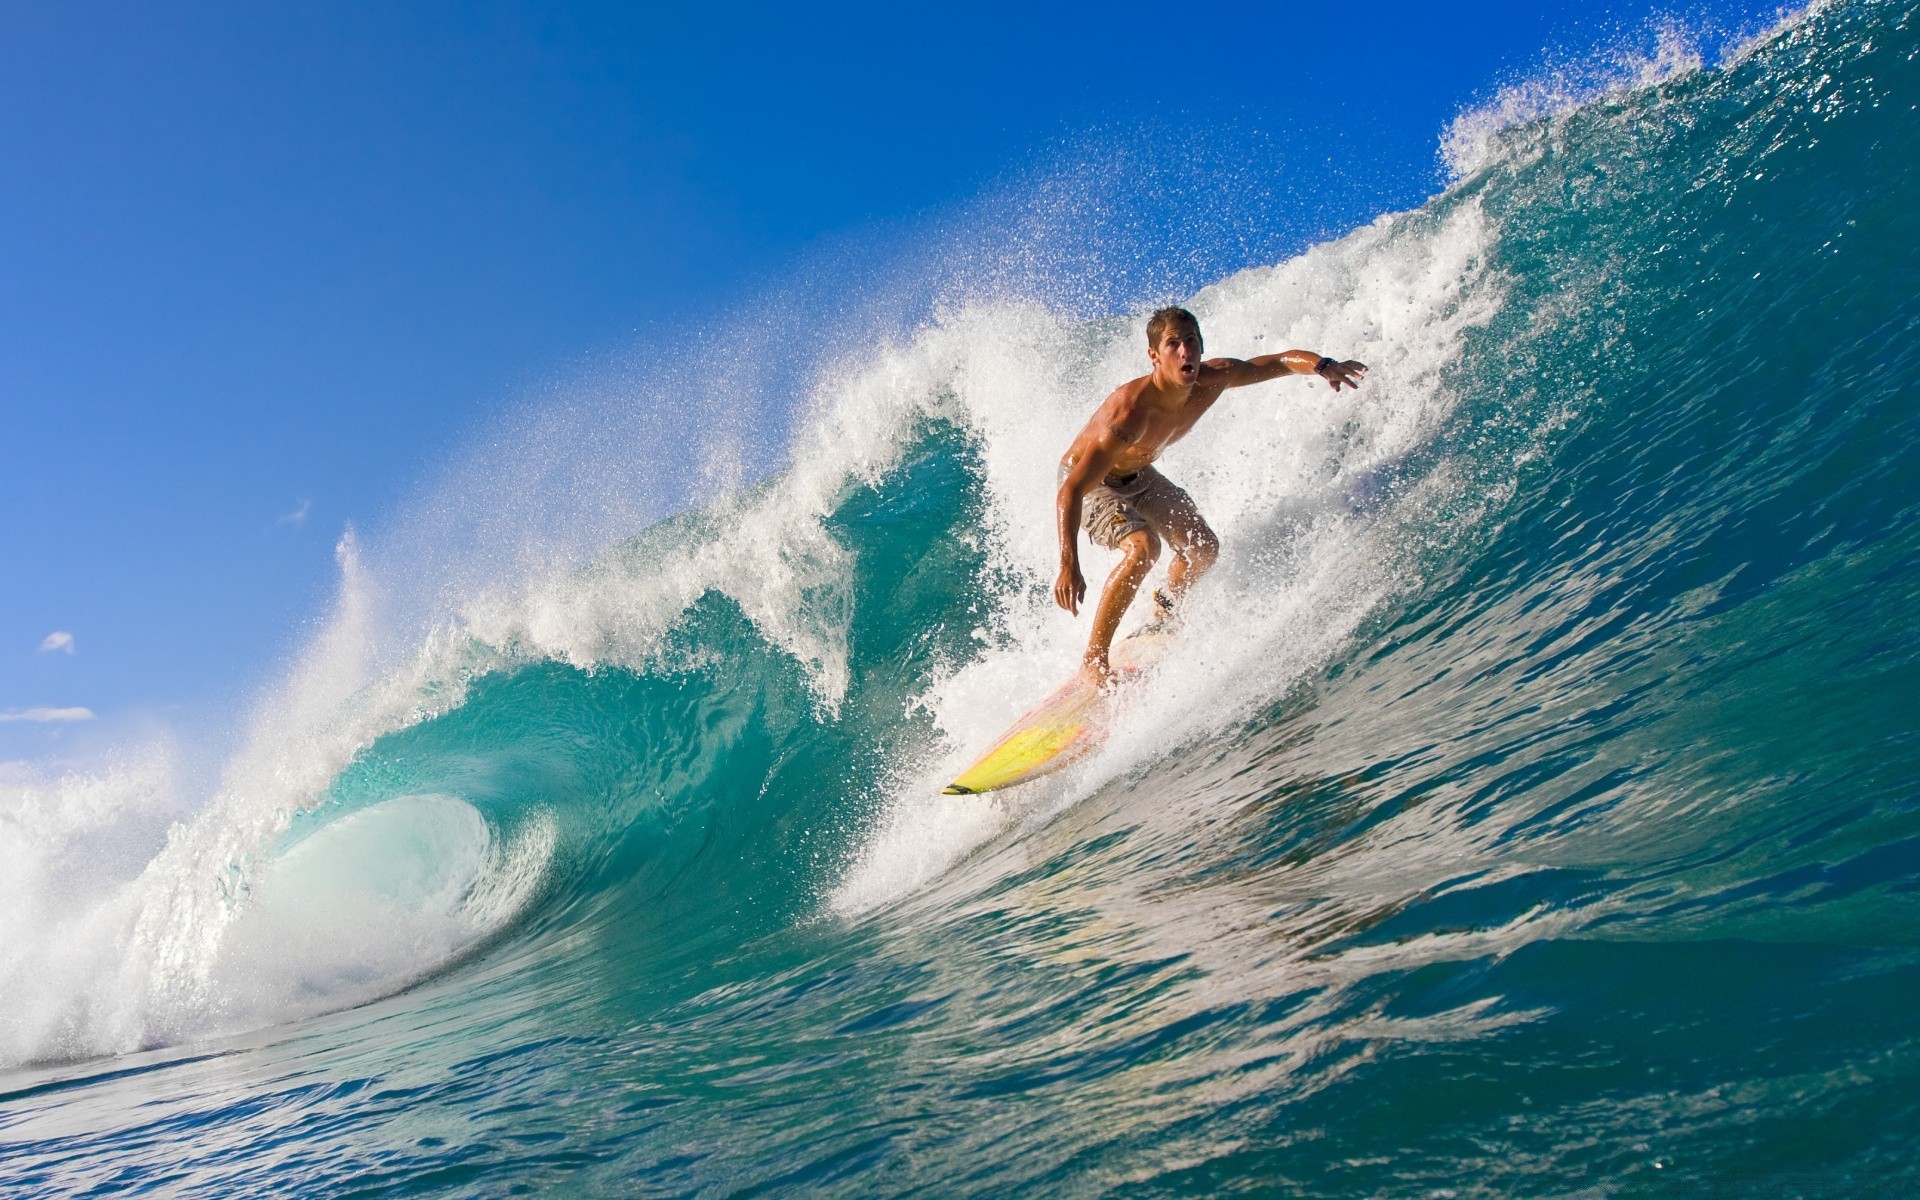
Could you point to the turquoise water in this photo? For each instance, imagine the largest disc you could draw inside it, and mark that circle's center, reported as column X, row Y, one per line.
column 1533, row 808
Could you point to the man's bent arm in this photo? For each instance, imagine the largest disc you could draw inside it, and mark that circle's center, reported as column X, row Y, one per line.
column 1087, row 469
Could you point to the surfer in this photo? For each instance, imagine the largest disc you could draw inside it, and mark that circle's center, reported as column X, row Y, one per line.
column 1108, row 482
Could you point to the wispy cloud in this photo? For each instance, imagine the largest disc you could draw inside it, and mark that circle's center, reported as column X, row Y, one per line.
column 298, row 516
column 47, row 716
column 59, row 640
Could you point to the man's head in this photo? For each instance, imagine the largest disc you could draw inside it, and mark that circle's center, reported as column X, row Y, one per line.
column 1174, row 343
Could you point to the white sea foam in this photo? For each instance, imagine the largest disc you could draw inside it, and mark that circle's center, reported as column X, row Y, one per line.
column 69, row 845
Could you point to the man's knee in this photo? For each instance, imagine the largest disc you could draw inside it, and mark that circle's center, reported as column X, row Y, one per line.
column 1141, row 547
column 1201, row 547
column 1205, row 548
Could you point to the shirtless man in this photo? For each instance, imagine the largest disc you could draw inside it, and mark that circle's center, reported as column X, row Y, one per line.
column 1107, row 476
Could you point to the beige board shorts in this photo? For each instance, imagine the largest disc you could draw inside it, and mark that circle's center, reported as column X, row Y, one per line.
column 1113, row 509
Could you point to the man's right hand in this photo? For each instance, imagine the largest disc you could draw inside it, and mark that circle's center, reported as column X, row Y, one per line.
column 1070, row 589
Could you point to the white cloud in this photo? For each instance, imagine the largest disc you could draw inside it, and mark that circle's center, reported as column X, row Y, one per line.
column 298, row 516
column 47, row 716
column 59, row 639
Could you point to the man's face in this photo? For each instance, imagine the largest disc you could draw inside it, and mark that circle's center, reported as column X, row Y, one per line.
column 1178, row 354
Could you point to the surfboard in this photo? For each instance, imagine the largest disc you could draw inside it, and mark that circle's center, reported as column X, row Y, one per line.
column 1068, row 725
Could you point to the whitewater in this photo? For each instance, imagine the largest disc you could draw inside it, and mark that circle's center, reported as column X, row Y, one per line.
column 1531, row 808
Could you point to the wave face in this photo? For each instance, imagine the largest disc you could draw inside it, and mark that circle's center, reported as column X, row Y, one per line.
column 1530, row 810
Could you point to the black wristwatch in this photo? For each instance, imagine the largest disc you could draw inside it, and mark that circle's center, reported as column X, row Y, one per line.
column 1322, row 365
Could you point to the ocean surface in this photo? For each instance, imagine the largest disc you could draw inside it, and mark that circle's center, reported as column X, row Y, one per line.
column 1531, row 808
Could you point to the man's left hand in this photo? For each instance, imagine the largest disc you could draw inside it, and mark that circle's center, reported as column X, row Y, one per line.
column 1342, row 374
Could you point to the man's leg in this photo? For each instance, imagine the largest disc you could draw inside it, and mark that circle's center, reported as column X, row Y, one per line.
column 1171, row 512
column 1138, row 550
column 1195, row 550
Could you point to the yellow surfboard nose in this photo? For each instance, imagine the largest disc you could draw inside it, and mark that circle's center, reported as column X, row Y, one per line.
column 1045, row 741
column 1065, row 727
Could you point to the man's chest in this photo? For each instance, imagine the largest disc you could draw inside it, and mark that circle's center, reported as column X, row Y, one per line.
column 1166, row 426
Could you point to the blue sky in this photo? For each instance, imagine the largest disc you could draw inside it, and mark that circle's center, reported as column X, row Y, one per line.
column 263, row 266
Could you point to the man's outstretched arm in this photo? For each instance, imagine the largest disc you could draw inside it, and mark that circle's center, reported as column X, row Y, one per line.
column 1235, row 372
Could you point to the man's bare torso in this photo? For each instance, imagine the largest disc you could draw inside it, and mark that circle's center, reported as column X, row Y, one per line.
column 1138, row 421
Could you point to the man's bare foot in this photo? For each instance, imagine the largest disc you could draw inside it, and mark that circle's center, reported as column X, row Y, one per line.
column 1164, row 617
column 1099, row 672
